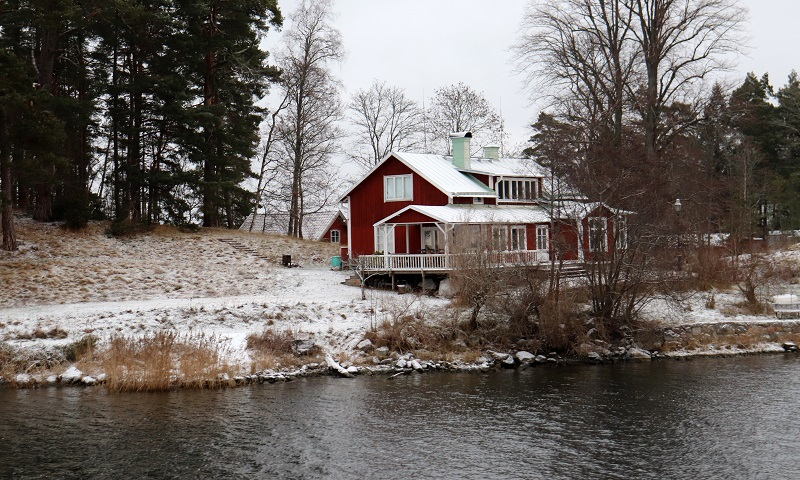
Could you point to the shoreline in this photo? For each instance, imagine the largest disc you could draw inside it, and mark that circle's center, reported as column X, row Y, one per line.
column 407, row 364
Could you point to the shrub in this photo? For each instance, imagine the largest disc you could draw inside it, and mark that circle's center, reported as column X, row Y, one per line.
column 127, row 228
column 76, row 351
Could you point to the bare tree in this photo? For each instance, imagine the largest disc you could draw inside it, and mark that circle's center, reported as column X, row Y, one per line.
column 460, row 108
column 581, row 54
column 307, row 134
column 384, row 119
column 681, row 43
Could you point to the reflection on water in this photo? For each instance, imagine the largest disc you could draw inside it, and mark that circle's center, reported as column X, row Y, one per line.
column 729, row 418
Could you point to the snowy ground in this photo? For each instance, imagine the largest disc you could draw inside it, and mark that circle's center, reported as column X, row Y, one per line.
column 311, row 302
column 56, row 266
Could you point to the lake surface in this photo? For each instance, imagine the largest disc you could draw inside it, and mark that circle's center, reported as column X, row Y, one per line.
column 706, row 418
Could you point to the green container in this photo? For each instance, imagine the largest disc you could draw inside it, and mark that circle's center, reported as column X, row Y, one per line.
column 336, row 261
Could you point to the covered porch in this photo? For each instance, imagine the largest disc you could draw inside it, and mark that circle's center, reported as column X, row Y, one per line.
column 438, row 239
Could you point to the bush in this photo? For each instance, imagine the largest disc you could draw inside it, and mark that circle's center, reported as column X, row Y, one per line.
column 127, row 228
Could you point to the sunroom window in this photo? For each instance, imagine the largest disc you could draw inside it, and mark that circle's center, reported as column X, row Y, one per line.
column 519, row 190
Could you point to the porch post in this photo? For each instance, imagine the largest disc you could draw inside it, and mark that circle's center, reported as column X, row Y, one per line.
column 580, row 239
column 385, row 246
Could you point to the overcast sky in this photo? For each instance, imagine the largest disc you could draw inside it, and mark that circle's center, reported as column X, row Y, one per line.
column 421, row 45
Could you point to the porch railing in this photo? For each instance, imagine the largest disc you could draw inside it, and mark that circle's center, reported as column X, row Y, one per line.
column 411, row 262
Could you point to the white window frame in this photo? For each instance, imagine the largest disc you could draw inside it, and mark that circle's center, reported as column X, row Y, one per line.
column 391, row 183
column 338, row 236
column 542, row 237
column 603, row 247
column 381, row 230
column 518, row 190
column 504, row 230
column 523, row 239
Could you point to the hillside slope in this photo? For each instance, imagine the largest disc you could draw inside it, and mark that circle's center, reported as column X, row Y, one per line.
column 56, row 266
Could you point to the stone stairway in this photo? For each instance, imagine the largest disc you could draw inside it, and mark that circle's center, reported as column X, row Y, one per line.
column 240, row 247
column 573, row 270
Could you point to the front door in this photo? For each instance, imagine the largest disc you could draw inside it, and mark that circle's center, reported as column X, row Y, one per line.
column 430, row 240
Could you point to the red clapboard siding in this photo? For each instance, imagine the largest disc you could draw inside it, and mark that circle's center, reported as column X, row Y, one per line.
column 367, row 205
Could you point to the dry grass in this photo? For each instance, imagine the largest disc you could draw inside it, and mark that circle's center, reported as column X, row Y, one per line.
column 55, row 265
column 162, row 361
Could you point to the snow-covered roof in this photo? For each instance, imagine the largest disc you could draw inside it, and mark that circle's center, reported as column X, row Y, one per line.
column 315, row 225
column 440, row 171
column 507, row 167
column 478, row 213
column 573, row 209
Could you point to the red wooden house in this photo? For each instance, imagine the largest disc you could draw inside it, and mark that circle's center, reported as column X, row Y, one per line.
column 412, row 212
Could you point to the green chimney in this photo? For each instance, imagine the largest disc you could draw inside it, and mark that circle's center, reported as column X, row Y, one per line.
column 460, row 147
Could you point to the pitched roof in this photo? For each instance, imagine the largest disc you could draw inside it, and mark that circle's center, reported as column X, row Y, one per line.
column 442, row 174
column 473, row 214
column 315, row 225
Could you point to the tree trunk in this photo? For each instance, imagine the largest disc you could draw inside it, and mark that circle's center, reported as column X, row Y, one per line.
column 6, row 199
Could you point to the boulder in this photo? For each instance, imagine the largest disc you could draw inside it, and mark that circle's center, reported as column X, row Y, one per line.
column 72, row 374
column 23, row 378
column 88, row 380
column 365, row 345
column 594, row 357
column 333, row 365
column 446, row 289
column 352, row 369
column 790, row 346
column 303, row 347
column 540, row 359
column 508, row 362
column 636, row 353
column 428, row 285
column 525, row 357
column 415, row 365
column 400, row 363
column 382, row 351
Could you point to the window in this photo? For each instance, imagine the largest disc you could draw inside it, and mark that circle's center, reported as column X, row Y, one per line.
column 518, row 190
column 477, row 200
column 381, row 236
column 397, row 188
column 598, row 237
column 621, row 232
column 500, row 238
column 519, row 240
column 335, row 236
column 542, row 238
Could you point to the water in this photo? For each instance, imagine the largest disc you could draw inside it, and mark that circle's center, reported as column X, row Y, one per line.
column 711, row 418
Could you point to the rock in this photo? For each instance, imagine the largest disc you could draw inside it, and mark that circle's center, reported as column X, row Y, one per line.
column 387, row 361
column 365, row 345
column 636, row 353
column 481, row 360
column 552, row 360
column 459, row 343
column 525, row 357
column 72, row 374
column 23, row 378
column 790, row 346
column 540, row 359
column 382, row 351
column 594, row 357
column 415, row 365
column 102, row 377
column 400, row 363
column 88, row 380
column 376, row 361
column 446, row 289
column 333, row 365
column 352, row 369
column 428, row 285
column 51, row 380
column 303, row 347
column 508, row 362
